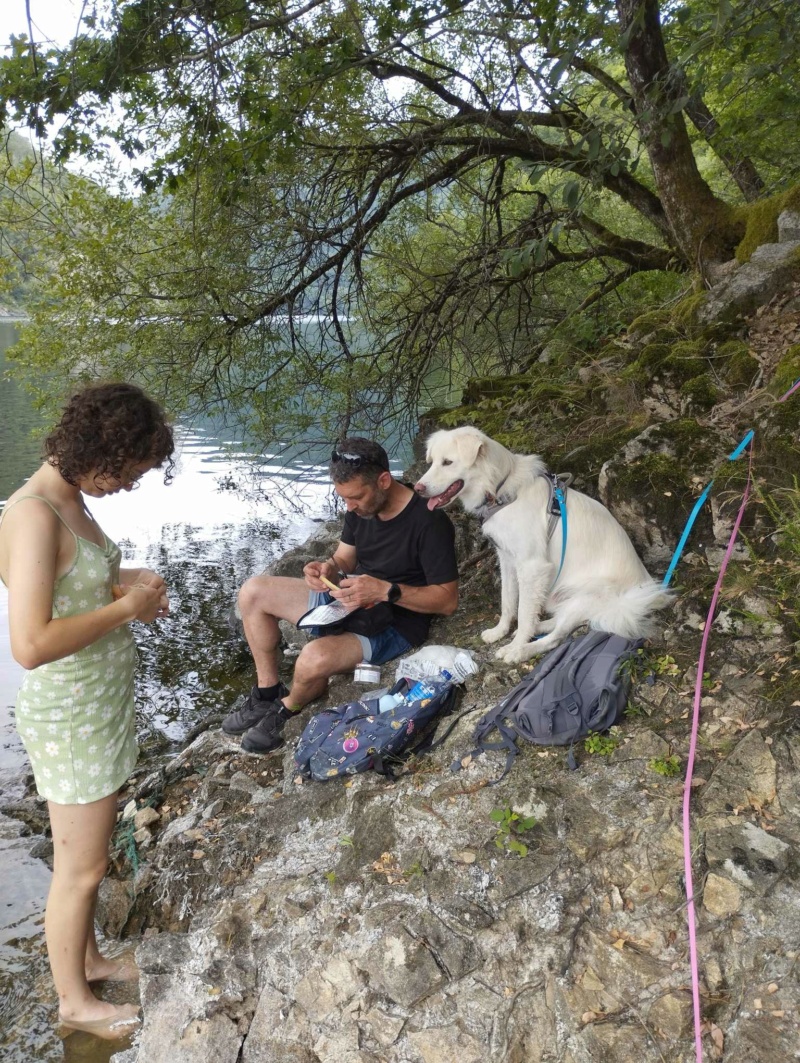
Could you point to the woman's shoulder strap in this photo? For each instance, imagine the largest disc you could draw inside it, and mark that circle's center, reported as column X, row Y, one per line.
column 39, row 498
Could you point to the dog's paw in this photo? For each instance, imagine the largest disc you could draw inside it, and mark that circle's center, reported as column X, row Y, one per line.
column 494, row 634
column 512, row 653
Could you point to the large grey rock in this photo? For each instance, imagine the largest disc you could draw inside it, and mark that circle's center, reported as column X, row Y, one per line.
column 788, row 226
column 745, row 852
column 747, row 778
column 769, row 270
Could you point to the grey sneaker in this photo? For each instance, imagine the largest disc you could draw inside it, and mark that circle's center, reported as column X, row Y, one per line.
column 252, row 710
column 266, row 735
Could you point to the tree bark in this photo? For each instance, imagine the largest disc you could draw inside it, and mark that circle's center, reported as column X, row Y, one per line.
column 698, row 220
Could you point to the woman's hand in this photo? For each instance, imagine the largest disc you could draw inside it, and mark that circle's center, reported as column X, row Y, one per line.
column 144, row 599
column 148, row 578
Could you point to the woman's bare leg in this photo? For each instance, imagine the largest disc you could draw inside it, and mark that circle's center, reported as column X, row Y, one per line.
column 81, row 834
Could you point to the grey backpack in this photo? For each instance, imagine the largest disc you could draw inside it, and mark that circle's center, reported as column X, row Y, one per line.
column 578, row 687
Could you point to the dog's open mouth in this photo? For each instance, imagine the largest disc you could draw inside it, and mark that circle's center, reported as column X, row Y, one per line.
column 436, row 501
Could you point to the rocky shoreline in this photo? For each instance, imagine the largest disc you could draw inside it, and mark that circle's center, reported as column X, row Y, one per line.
column 378, row 920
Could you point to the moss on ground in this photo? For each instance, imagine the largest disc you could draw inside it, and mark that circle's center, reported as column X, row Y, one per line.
column 736, row 363
column 701, row 392
column 787, row 371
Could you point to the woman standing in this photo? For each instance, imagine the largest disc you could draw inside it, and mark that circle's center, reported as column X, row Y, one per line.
column 69, row 607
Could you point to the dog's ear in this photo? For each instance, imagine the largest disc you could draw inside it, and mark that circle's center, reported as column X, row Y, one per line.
column 469, row 447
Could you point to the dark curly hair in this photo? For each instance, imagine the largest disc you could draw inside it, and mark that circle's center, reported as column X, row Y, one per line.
column 107, row 427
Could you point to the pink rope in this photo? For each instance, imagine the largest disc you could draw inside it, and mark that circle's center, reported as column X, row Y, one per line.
column 687, row 792
column 791, row 391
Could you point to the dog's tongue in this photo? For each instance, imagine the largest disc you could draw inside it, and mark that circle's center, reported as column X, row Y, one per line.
column 445, row 496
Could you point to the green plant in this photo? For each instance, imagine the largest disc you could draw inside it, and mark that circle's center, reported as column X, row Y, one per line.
column 667, row 766
column 415, row 870
column 603, row 745
column 633, row 710
column 665, row 665
column 330, row 878
column 346, row 841
column 510, row 824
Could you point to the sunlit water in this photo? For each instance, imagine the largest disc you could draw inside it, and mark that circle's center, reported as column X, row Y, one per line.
column 229, row 511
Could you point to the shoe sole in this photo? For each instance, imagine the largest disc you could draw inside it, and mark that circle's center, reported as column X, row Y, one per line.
column 249, row 747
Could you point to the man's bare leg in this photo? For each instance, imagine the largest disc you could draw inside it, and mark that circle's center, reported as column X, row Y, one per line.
column 263, row 601
column 318, row 661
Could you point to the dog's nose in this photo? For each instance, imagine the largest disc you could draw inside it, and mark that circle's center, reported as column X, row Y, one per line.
column 419, row 487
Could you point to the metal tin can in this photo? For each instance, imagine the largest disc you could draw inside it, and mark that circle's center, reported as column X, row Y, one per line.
column 367, row 673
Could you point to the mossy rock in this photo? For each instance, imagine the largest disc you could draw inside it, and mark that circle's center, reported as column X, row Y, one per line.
column 585, row 460
column 662, row 485
column 700, row 391
column 761, row 221
column 686, row 360
column 654, row 355
column 647, row 323
column 686, row 311
column 736, row 363
column 787, row 371
column 486, row 387
column 636, row 374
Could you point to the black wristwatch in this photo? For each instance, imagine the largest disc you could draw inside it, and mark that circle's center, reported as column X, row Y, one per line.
column 394, row 592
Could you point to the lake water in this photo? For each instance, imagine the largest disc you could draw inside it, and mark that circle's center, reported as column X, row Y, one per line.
column 229, row 511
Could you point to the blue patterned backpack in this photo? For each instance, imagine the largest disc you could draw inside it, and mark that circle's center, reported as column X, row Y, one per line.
column 357, row 737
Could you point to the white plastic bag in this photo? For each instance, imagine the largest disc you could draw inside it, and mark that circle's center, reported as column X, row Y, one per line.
column 430, row 660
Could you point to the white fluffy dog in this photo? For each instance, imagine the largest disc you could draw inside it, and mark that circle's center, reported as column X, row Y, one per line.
column 603, row 582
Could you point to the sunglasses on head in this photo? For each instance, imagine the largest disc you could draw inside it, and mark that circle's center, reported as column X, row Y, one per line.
column 354, row 459
column 351, row 459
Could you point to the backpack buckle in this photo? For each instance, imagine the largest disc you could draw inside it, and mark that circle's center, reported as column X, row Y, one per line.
column 571, row 703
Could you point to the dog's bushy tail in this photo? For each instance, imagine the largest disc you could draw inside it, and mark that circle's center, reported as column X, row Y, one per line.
column 630, row 613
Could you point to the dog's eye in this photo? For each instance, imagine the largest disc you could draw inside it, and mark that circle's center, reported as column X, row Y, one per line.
column 446, row 461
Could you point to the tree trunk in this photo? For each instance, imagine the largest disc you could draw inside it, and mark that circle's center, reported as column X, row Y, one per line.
column 698, row 220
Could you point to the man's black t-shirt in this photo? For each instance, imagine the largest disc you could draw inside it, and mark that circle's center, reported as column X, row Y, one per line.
column 417, row 547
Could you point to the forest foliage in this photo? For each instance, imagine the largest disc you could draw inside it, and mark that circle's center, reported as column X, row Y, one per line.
column 332, row 208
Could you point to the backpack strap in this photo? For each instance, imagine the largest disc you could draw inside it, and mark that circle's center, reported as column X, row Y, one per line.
column 507, row 741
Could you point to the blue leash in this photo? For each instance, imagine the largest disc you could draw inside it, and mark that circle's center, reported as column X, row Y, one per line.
column 558, row 494
column 693, row 515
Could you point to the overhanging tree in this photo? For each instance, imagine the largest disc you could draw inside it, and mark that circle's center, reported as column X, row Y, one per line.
column 343, row 131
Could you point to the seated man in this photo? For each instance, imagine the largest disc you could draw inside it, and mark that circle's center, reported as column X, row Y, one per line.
column 393, row 549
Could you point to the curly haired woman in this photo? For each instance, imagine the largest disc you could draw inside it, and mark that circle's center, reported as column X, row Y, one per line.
column 69, row 607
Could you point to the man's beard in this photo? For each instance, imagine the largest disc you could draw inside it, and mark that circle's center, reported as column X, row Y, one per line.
column 377, row 506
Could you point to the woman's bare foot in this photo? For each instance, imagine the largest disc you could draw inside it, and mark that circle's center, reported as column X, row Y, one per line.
column 110, row 1022
column 121, row 969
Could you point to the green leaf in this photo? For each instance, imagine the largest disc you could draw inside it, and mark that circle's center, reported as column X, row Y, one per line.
column 571, row 193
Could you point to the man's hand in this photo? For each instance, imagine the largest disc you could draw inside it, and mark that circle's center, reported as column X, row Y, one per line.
column 314, row 569
column 357, row 592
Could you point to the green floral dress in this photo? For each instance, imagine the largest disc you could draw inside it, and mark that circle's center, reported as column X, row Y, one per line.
column 75, row 716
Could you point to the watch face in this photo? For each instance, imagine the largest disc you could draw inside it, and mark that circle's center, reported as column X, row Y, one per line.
column 394, row 593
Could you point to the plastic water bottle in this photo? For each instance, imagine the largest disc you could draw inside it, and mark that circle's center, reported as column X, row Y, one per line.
column 428, row 688
column 389, row 702
column 464, row 665
column 423, row 688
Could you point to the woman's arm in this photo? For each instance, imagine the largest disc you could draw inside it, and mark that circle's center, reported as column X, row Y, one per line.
column 36, row 636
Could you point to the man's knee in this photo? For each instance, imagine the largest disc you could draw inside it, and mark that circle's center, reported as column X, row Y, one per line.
column 255, row 595
column 314, row 662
